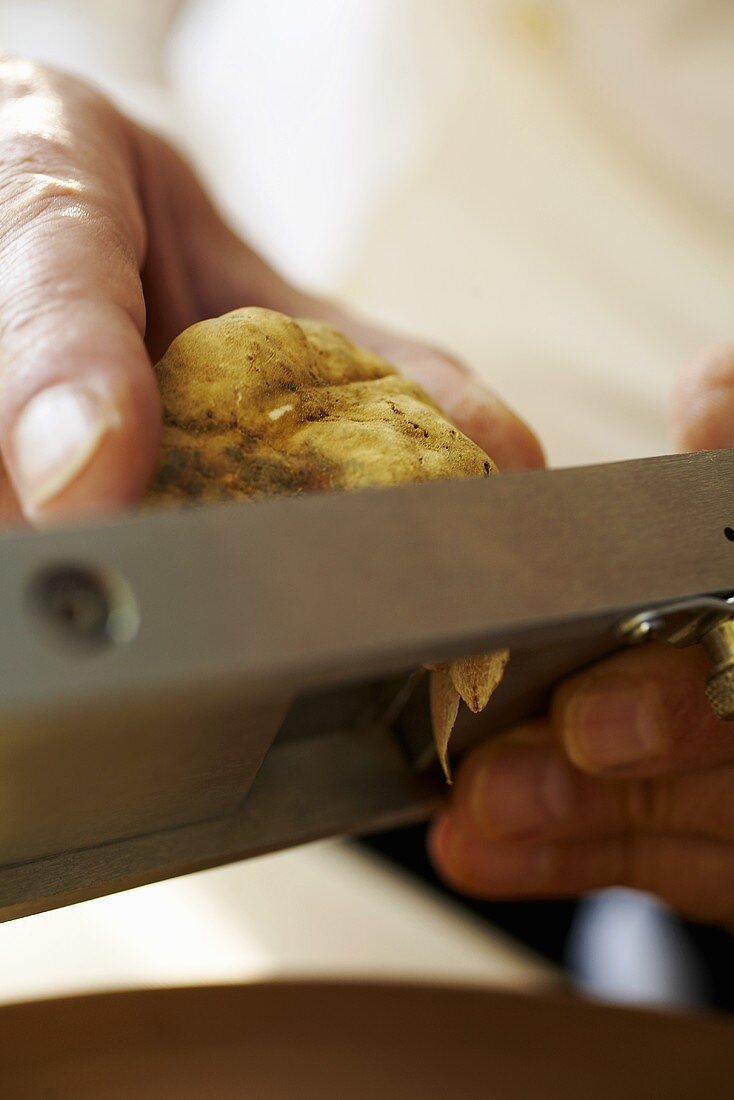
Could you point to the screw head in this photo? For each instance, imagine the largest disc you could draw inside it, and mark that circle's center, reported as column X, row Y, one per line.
column 720, row 692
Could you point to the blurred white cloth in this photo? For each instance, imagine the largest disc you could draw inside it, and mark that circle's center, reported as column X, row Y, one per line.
column 326, row 910
column 626, row 946
column 547, row 188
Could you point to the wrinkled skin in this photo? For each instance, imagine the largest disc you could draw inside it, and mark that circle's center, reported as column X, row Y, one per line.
column 109, row 247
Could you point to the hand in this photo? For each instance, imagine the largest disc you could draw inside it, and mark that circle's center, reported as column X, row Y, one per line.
column 630, row 778
column 102, row 225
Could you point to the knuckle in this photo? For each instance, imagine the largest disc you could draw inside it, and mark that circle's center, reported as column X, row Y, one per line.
column 645, row 804
column 22, row 78
column 41, row 193
column 42, row 268
column 639, row 864
column 65, row 158
column 32, row 193
column 43, row 148
column 19, row 76
column 55, row 204
column 49, row 121
column 25, row 153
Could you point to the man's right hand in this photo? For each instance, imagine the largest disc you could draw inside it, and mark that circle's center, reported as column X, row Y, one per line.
column 101, row 225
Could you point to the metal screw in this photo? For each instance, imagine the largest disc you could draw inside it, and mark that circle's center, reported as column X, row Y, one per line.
column 719, row 644
column 640, row 627
column 705, row 619
column 88, row 608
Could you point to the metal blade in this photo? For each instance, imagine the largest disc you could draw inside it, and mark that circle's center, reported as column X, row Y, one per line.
column 146, row 664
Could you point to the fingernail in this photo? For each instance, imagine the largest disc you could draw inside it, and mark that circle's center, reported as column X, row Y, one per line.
column 612, row 725
column 520, row 791
column 55, row 437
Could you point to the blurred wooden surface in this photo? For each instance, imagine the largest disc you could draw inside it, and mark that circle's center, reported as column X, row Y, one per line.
column 334, row 1041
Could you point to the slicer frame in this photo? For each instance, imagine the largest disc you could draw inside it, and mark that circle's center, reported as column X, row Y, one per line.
column 141, row 740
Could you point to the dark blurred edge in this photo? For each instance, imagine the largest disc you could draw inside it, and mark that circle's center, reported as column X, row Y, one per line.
column 544, row 925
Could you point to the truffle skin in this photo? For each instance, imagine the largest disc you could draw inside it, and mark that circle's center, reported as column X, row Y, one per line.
column 257, row 404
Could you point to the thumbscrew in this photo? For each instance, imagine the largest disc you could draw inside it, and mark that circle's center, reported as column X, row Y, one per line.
column 719, row 644
column 704, row 619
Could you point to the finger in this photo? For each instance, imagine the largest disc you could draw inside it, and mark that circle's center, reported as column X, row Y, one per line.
column 202, row 267
column 233, row 275
column 522, row 787
column 523, row 869
column 703, row 402
column 642, row 712
column 473, row 407
column 10, row 513
column 79, row 409
column 693, row 874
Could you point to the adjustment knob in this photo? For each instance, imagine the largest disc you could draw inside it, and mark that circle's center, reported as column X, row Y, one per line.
column 719, row 644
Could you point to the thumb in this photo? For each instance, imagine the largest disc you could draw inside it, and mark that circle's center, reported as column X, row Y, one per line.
column 703, row 401
column 78, row 404
column 475, row 409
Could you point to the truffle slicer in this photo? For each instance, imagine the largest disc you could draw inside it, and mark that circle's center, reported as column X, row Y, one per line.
column 184, row 689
